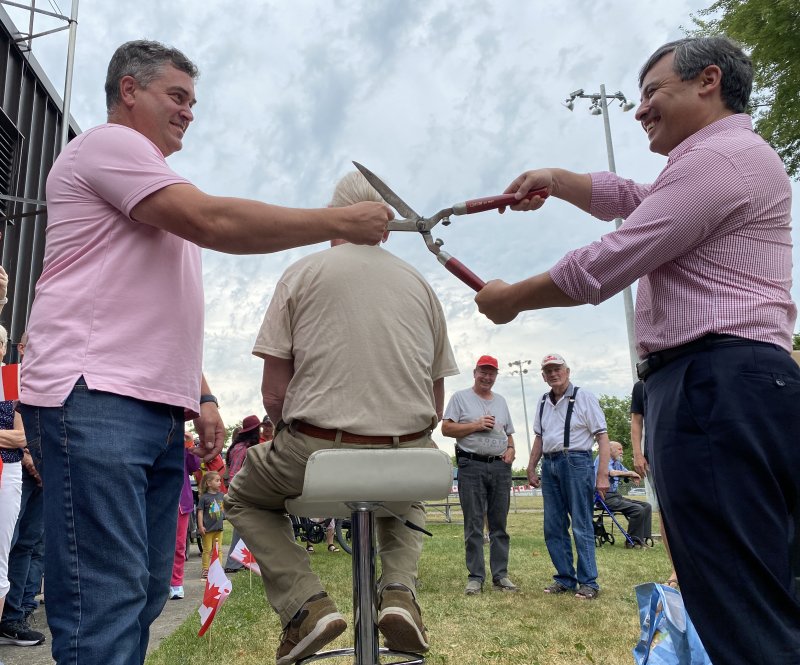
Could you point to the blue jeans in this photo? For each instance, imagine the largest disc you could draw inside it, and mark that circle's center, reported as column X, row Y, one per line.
column 485, row 489
column 568, row 481
column 24, row 559
column 113, row 471
column 35, row 575
column 230, row 562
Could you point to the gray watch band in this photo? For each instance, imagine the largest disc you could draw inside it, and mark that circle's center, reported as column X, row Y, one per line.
column 208, row 398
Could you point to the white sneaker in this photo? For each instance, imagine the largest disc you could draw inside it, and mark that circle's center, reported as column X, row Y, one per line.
column 175, row 592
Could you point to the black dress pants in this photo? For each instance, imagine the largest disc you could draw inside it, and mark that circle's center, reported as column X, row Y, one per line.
column 724, row 428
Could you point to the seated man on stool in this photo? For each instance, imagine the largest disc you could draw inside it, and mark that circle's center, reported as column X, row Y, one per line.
column 355, row 353
column 638, row 513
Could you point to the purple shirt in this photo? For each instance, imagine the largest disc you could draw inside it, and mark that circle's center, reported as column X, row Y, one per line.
column 119, row 302
column 709, row 241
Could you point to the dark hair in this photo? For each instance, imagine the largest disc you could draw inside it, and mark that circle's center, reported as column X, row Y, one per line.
column 694, row 54
column 144, row 61
column 251, row 436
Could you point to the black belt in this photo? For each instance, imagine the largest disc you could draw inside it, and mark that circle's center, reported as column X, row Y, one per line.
column 563, row 451
column 477, row 458
column 655, row 361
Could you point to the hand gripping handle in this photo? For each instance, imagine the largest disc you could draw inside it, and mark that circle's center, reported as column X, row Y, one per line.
column 494, row 202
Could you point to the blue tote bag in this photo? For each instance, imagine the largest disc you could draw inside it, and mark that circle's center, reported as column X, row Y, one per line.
column 668, row 636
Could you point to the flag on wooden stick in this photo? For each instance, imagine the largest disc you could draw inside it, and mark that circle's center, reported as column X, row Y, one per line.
column 218, row 588
column 245, row 557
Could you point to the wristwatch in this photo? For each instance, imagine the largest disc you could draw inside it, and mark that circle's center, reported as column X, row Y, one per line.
column 209, row 398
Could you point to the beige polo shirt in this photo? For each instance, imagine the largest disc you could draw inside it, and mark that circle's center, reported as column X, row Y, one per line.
column 368, row 338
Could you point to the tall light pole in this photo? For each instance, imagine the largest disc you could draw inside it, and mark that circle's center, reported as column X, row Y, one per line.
column 518, row 364
column 599, row 106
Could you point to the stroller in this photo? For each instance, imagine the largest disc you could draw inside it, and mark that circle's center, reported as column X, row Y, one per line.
column 601, row 535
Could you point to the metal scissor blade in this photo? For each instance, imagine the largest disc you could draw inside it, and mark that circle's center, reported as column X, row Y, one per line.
column 388, row 195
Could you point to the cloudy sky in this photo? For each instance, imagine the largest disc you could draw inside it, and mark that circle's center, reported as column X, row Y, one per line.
column 447, row 100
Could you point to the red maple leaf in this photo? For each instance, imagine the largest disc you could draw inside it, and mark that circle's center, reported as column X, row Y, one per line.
column 247, row 556
column 212, row 595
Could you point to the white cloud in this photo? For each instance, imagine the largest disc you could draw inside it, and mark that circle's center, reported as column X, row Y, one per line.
column 446, row 100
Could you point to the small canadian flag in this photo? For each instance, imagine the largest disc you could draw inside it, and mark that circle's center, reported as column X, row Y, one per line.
column 245, row 557
column 218, row 588
column 9, row 382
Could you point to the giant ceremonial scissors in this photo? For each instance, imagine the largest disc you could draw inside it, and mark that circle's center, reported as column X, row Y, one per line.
column 423, row 225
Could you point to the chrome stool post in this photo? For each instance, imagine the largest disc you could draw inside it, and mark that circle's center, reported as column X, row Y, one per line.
column 359, row 484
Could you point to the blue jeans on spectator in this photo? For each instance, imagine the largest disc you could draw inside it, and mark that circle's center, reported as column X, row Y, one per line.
column 113, row 471
column 35, row 574
column 24, row 569
column 485, row 489
column 568, row 483
column 231, row 563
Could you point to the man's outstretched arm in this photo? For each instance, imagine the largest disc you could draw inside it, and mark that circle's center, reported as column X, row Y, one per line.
column 242, row 226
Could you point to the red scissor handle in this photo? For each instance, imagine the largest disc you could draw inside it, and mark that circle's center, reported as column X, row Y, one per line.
column 495, row 202
column 462, row 272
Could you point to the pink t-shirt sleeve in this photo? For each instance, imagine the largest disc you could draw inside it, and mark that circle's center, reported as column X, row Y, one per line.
column 122, row 167
column 111, row 283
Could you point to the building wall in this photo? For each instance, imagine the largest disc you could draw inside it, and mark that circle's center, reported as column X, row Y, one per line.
column 30, row 130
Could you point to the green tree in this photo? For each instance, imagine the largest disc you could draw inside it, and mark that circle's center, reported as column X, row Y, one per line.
column 796, row 342
column 768, row 29
column 618, row 420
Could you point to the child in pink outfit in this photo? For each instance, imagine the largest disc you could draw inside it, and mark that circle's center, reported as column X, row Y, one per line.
column 191, row 463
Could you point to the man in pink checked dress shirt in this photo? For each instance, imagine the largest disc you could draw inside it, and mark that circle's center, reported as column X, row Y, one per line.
column 710, row 243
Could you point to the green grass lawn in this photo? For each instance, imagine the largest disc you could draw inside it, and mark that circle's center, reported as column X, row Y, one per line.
column 526, row 628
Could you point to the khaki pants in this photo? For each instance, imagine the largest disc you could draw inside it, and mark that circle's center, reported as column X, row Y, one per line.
column 255, row 506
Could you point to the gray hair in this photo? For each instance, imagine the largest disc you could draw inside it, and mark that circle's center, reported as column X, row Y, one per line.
column 3, row 336
column 694, row 54
column 143, row 60
column 353, row 188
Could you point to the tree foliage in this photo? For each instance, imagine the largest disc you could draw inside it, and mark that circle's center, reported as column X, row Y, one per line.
column 796, row 341
column 769, row 30
column 618, row 420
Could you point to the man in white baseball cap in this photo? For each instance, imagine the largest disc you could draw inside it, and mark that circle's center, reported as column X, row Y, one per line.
column 567, row 423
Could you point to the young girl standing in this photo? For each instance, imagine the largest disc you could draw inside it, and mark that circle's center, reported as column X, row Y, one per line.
column 209, row 515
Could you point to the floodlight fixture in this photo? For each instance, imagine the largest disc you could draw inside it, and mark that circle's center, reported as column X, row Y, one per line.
column 599, row 106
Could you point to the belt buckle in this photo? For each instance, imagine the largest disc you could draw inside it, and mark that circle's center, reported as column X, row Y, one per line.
column 643, row 368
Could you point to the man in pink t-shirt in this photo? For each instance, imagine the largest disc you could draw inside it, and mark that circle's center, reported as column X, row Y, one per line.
column 121, row 290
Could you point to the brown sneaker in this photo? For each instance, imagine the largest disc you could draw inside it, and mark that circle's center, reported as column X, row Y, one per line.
column 400, row 620
column 317, row 623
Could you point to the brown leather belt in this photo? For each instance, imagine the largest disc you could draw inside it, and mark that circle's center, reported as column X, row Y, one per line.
column 349, row 437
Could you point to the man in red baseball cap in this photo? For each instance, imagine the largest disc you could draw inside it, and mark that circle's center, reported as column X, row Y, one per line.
column 479, row 420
